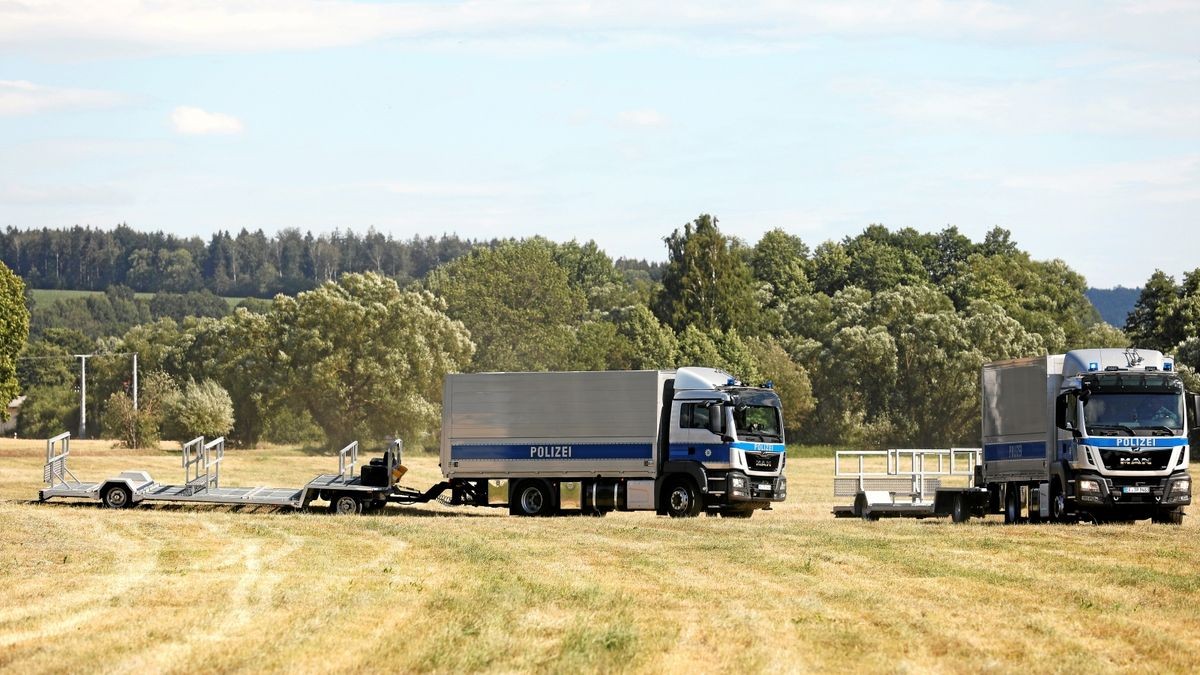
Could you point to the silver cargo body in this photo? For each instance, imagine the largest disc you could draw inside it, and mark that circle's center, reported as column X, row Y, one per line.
column 1018, row 414
column 574, row 424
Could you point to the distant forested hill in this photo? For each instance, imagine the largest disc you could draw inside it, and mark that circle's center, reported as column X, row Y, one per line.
column 1114, row 304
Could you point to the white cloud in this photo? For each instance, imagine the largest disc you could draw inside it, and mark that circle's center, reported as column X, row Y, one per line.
column 64, row 195
column 19, row 97
column 1039, row 106
column 194, row 121
column 1170, row 180
column 121, row 27
column 449, row 189
column 641, row 118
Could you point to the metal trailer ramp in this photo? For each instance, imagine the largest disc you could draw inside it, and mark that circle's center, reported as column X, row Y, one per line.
column 909, row 483
column 201, row 462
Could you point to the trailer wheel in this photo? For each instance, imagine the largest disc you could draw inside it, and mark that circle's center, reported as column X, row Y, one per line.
column 860, row 505
column 531, row 498
column 345, row 505
column 1168, row 517
column 117, row 497
column 1012, row 504
column 682, row 499
column 960, row 512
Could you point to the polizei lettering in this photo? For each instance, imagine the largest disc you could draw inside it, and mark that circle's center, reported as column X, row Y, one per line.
column 1136, row 442
column 549, row 451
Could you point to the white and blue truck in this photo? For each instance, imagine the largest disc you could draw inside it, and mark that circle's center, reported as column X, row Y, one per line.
column 678, row 442
column 1093, row 434
column 1097, row 435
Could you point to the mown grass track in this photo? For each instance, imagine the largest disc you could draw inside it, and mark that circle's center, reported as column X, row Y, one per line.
column 174, row 589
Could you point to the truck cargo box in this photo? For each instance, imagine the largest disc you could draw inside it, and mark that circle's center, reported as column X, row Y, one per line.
column 1018, row 399
column 572, row 424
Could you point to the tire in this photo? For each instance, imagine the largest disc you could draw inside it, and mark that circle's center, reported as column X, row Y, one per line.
column 1168, row 517
column 117, row 497
column 1058, row 503
column 531, row 498
column 345, row 505
column 960, row 512
column 682, row 499
column 1012, row 503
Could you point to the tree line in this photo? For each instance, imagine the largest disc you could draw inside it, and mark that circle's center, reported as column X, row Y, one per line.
column 245, row 264
column 873, row 340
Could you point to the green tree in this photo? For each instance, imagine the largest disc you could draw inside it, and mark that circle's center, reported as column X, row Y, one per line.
column 517, row 303
column 791, row 382
column 1147, row 325
column 201, row 409
column 651, row 345
column 366, row 359
column 707, row 283
column 14, row 331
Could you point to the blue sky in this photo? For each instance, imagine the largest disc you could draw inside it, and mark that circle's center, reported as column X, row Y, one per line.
column 1076, row 125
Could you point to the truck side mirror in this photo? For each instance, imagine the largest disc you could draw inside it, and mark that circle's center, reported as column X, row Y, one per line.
column 716, row 419
column 1193, row 410
column 1060, row 414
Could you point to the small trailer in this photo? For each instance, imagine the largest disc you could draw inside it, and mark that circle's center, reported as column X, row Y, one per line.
column 907, row 483
column 345, row 492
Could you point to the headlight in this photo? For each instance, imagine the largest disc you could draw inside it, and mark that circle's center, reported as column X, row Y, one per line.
column 1184, row 485
column 737, row 481
column 1089, row 486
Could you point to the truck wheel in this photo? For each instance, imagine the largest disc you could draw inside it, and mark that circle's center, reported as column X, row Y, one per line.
column 1168, row 517
column 960, row 512
column 345, row 505
column 532, row 498
column 117, row 497
column 683, row 499
column 1012, row 504
column 1058, row 503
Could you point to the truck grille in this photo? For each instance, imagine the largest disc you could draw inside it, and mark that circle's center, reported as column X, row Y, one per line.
column 762, row 461
column 1146, row 460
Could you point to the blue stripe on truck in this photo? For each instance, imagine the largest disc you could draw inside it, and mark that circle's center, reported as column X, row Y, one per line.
column 552, row 451
column 1027, row 450
column 1133, row 441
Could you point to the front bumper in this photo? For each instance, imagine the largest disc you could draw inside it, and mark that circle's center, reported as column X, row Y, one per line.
column 743, row 488
column 1124, row 491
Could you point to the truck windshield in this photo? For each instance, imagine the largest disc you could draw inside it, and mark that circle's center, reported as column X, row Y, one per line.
column 1134, row 414
column 757, row 422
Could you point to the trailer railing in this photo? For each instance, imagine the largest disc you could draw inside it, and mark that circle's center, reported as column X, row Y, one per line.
column 55, row 471
column 347, row 460
column 202, row 463
column 917, row 473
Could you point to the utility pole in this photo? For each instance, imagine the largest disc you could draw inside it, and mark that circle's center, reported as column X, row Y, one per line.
column 82, row 394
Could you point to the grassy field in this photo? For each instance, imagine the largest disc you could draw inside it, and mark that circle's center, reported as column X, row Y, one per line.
column 437, row 589
column 47, row 296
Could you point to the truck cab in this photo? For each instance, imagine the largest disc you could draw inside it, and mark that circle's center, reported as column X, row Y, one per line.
column 1122, row 452
column 729, row 439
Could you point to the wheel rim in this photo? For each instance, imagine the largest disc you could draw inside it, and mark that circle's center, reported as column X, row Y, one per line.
column 680, row 500
column 116, row 498
column 531, row 500
column 346, row 505
column 1060, row 506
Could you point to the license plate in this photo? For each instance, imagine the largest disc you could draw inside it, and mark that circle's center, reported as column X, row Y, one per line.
column 1136, row 489
column 764, row 486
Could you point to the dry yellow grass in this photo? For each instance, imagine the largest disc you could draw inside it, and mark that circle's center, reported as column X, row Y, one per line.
column 435, row 589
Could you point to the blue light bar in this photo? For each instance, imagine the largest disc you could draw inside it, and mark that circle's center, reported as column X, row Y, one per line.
column 1093, row 367
column 1168, row 365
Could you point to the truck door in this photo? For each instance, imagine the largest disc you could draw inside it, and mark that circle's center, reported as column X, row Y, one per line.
column 704, row 445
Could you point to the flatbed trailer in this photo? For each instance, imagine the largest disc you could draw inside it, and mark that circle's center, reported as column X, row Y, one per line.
column 907, row 483
column 344, row 491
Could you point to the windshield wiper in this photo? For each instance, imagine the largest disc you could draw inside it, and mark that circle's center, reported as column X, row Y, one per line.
column 1117, row 427
column 1158, row 427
